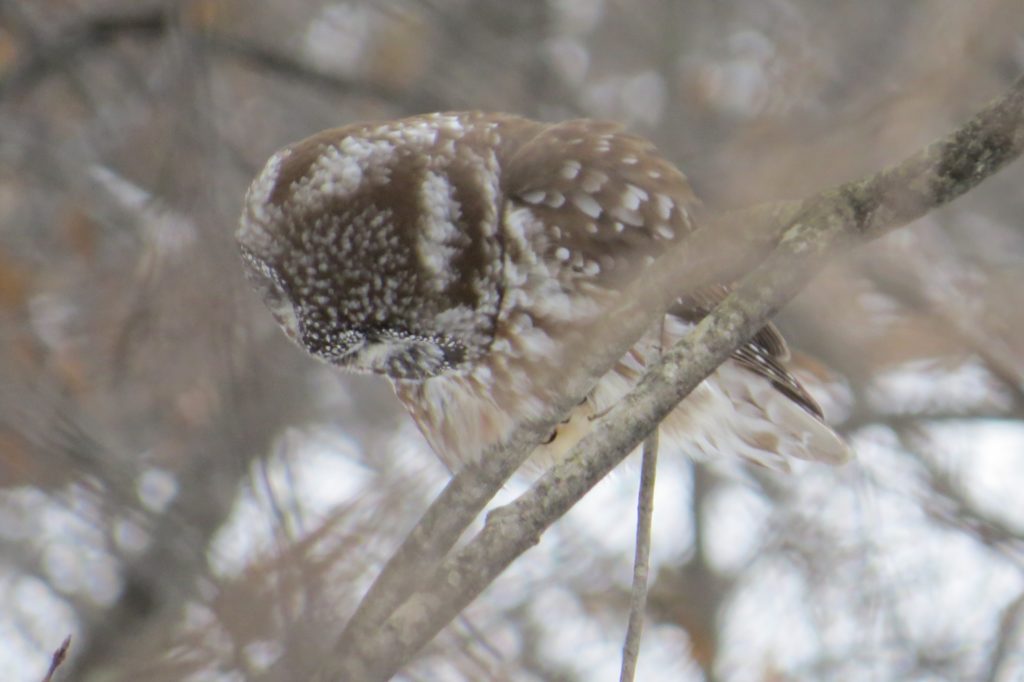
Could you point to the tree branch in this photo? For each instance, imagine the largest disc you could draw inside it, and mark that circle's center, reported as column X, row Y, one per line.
column 807, row 234
column 58, row 659
column 101, row 31
column 641, row 560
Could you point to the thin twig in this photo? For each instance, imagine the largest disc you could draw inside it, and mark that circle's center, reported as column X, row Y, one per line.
column 1008, row 641
column 58, row 658
column 641, row 559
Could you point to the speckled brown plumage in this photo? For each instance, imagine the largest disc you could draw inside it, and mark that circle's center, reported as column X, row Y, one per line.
column 455, row 252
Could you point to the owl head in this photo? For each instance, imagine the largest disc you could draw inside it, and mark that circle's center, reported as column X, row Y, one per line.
column 376, row 245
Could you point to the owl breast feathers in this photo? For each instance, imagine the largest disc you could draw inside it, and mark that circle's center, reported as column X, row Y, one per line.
column 457, row 253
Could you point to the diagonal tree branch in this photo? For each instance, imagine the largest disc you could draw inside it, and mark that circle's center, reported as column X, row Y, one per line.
column 799, row 237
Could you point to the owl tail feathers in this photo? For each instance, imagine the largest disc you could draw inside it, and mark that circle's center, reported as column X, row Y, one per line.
column 736, row 412
column 818, row 442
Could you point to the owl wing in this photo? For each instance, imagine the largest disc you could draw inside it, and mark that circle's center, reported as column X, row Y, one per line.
column 608, row 200
column 608, row 204
column 765, row 354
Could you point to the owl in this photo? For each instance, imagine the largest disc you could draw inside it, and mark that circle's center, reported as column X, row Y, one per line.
column 458, row 254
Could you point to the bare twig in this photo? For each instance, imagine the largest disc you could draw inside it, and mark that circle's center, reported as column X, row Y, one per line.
column 1008, row 641
column 641, row 559
column 58, row 658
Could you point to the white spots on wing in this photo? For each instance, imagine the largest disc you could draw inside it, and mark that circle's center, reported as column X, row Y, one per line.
column 687, row 219
column 593, row 181
column 654, row 174
column 534, row 196
column 570, row 170
column 587, row 204
column 618, row 226
column 591, row 228
column 562, row 254
column 438, row 234
column 664, row 205
column 665, row 232
column 555, row 199
column 632, row 197
column 591, row 268
column 627, row 216
column 629, row 160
